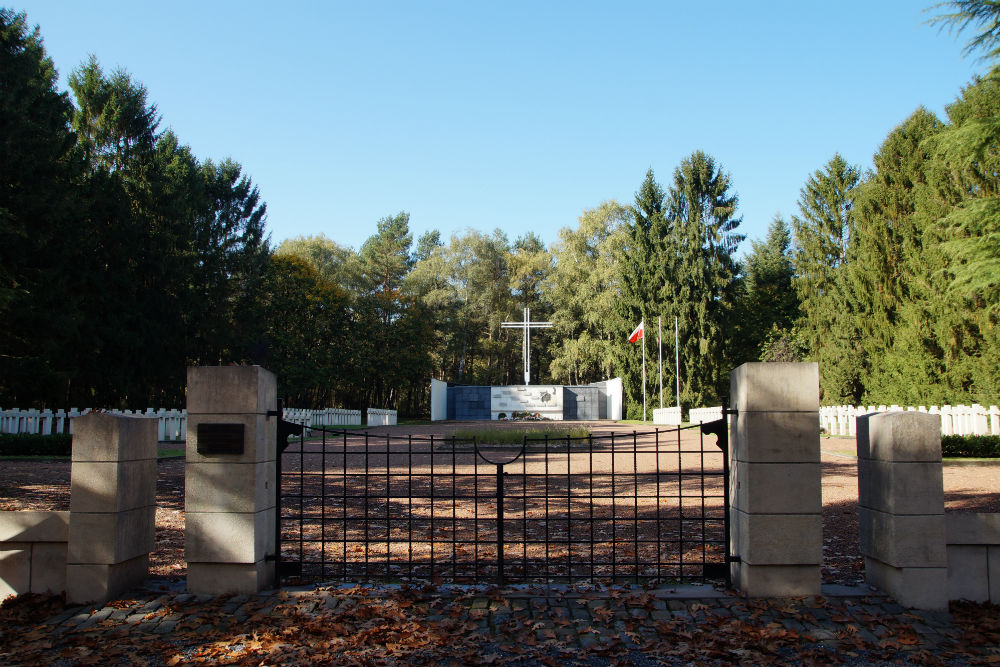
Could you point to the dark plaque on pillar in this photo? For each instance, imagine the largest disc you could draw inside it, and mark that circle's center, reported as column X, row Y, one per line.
column 220, row 439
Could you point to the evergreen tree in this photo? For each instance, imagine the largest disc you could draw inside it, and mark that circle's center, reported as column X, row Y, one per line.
column 829, row 320
column 982, row 15
column 39, row 199
column 701, row 287
column 768, row 303
column 638, row 263
column 891, row 266
column 428, row 242
column 963, row 172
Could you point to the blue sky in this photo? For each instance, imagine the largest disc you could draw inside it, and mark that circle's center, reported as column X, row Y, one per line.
column 514, row 115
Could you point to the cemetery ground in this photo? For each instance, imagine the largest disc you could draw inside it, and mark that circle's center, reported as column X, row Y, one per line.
column 528, row 625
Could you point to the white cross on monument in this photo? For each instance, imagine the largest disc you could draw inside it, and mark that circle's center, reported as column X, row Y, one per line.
column 527, row 325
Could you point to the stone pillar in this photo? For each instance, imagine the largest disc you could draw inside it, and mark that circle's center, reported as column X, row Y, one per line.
column 901, row 508
column 775, row 488
column 112, row 506
column 230, row 500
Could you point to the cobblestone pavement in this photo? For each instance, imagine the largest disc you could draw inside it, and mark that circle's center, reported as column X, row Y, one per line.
column 687, row 625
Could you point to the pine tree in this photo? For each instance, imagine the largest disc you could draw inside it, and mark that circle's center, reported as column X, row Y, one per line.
column 822, row 235
column 891, row 264
column 768, row 304
column 641, row 272
column 698, row 275
column 39, row 229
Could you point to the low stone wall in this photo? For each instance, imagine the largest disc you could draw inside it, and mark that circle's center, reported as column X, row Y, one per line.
column 101, row 547
column 973, row 545
column 955, row 419
column 33, row 552
column 699, row 415
column 381, row 417
column 667, row 416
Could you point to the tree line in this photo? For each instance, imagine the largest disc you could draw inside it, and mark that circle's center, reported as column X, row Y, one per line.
column 125, row 258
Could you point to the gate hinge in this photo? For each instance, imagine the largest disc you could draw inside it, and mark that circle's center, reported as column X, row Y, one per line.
column 733, row 559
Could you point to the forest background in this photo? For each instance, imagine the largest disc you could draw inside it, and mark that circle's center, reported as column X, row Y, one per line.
column 125, row 258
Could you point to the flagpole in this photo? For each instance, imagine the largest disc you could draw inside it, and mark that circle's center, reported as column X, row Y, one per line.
column 659, row 354
column 644, row 369
column 677, row 367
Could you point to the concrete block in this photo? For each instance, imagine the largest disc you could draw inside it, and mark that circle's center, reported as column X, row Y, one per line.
column 15, row 569
column 48, row 567
column 32, row 526
column 901, row 488
column 917, row 587
column 229, row 487
column 778, row 488
column 260, row 436
column 776, row 437
column 96, row 583
column 972, row 528
column 230, row 390
column 900, row 436
column 111, row 538
column 228, row 537
column 968, row 573
column 770, row 581
column 903, row 541
column 779, row 539
column 102, row 486
column 775, row 386
column 98, row 436
column 230, row 578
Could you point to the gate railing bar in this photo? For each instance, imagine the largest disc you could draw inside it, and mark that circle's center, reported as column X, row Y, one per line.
column 475, row 524
column 454, row 513
column 614, row 510
column 322, row 487
column 388, row 504
column 569, row 509
column 680, row 504
column 547, row 551
column 500, row 527
column 635, row 506
column 554, row 500
column 409, row 502
column 367, row 541
column 593, row 537
column 344, row 505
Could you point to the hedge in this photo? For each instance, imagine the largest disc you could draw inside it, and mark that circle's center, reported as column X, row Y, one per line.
column 970, row 446
column 24, row 444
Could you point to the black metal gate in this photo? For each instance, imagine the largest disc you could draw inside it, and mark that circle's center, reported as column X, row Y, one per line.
column 615, row 508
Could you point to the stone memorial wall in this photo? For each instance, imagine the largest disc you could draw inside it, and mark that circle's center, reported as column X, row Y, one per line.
column 546, row 400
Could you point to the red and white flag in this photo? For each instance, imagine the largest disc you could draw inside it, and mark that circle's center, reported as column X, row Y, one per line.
column 637, row 333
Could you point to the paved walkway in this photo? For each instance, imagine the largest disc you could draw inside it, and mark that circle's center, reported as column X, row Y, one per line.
column 522, row 626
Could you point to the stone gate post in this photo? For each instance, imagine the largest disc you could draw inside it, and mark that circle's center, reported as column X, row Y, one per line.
column 230, row 499
column 775, row 489
column 112, row 521
column 901, row 507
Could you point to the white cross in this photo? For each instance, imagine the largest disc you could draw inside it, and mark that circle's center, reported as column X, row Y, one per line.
column 527, row 325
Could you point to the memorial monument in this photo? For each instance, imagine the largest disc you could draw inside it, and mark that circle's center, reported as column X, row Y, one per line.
column 600, row 400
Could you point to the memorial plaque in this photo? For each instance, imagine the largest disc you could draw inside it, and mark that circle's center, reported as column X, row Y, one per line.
column 220, row 439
